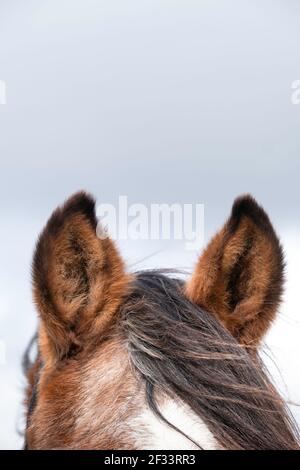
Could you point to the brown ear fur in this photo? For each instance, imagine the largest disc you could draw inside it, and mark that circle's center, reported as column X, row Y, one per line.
column 239, row 277
column 78, row 280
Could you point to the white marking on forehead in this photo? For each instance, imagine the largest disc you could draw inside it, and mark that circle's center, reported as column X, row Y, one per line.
column 162, row 436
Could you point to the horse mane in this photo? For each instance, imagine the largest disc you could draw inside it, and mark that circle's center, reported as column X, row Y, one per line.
column 184, row 352
column 181, row 351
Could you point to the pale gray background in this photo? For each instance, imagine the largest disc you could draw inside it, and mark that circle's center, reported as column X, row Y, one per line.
column 162, row 101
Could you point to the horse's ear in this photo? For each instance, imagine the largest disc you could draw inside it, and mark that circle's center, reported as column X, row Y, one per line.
column 78, row 279
column 239, row 277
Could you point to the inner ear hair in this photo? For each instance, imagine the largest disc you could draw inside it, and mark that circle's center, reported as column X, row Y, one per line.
column 239, row 277
column 78, row 279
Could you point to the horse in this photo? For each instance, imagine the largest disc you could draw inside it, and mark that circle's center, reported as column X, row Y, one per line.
column 149, row 360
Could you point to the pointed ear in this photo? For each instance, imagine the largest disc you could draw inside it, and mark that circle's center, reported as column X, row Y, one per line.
column 78, row 279
column 239, row 277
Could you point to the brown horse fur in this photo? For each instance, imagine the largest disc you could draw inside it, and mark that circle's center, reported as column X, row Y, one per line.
column 78, row 279
column 113, row 344
column 239, row 277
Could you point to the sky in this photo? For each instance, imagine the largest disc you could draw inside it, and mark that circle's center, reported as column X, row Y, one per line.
column 162, row 101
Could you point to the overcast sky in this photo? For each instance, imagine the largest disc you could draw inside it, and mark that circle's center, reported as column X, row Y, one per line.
column 160, row 100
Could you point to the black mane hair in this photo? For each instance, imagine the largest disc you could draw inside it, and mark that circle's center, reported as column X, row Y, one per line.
column 184, row 352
